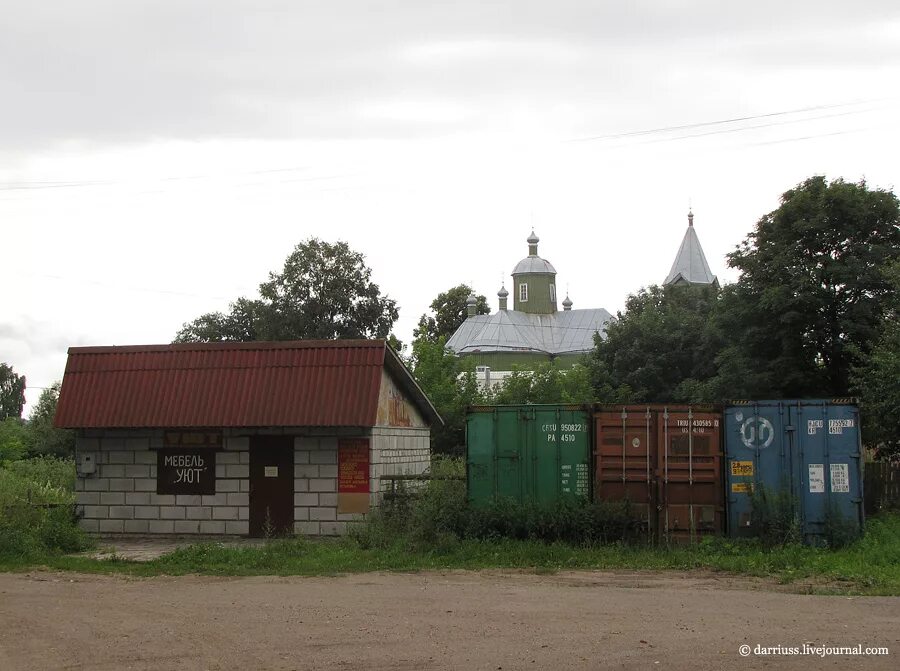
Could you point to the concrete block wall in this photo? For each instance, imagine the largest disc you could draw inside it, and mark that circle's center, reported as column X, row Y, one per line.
column 397, row 451
column 316, row 488
column 121, row 496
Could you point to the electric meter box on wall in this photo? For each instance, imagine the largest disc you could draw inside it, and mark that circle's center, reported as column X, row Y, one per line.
column 806, row 452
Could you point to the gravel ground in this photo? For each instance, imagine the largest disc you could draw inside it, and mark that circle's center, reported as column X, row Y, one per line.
column 454, row 620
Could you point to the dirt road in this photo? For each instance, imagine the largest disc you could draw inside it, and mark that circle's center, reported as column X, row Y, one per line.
column 430, row 621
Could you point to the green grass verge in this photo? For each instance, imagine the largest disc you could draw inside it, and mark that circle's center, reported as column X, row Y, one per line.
column 869, row 566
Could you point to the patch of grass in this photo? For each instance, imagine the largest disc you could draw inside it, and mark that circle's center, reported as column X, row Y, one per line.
column 435, row 529
column 868, row 566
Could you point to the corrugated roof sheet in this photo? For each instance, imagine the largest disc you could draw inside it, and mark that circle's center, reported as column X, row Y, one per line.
column 257, row 384
column 563, row 332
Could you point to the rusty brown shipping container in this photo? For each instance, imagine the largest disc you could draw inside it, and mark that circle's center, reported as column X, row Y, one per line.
column 667, row 461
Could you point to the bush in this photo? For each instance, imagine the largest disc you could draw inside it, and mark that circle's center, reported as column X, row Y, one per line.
column 12, row 440
column 51, row 480
column 439, row 515
column 568, row 521
column 31, row 531
column 37, row 508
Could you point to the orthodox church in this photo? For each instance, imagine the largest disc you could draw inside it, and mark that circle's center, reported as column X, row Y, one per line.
column 534, row 331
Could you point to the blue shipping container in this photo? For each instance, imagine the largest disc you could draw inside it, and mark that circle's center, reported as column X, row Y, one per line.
column 807, row 451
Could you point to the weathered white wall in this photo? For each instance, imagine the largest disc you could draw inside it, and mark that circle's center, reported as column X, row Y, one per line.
column 316, row 488
column 395, row 408
column 121, row 496
column 400, row 441
column 397, row 451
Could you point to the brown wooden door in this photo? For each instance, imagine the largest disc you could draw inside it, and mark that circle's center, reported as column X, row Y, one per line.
column 271, row 485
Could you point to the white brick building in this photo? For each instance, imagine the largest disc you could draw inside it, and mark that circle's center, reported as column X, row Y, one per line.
column 240, row 438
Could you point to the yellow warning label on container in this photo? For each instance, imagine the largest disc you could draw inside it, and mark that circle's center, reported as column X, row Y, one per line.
column 741, row 487
column 742, row 468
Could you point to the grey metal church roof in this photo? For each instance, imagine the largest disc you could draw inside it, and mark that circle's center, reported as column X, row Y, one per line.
column 571, row 331
column 533, row 264
column 690, row 264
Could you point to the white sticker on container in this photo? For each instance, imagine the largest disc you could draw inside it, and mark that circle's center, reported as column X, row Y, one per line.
column 840, row 478
column 837, row 426
column 271, row 471
column 635, row 442
column 814, row 425
column 817, row 478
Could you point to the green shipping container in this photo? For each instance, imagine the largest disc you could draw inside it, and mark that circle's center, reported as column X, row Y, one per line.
column 528, row 453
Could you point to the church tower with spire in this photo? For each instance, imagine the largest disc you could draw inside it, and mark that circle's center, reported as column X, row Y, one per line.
column 690, row 267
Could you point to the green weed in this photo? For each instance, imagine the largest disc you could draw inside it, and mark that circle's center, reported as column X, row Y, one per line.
column 870, row 565
column 37, row 508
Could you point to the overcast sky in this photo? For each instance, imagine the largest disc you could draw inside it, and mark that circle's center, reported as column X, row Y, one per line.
column 158, row 159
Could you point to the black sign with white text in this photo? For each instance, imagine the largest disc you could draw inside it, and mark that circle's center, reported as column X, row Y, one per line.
column 186, row 472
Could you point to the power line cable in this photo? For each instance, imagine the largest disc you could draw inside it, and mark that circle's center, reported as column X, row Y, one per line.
column 748, row 128
column 809, row 137
column 717, row 122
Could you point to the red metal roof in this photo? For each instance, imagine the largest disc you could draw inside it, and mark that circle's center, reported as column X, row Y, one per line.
column 255, row 384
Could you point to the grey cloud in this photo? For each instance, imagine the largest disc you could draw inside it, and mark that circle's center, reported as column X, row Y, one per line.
column 124, row 72
column 40, row 337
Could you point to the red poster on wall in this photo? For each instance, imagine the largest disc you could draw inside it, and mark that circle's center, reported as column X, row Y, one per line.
column 353, row 475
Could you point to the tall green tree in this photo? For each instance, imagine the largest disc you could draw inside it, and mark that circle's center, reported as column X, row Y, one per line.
column 323, row 291
column 13, row 439
column 451, row 385
column 12, row 392
column 42, row 438
column 449, row 311
column 876, row 378
column 812, row 291
column 546, row 383
column 242, row 324
column 448, row 380
column 662, row 348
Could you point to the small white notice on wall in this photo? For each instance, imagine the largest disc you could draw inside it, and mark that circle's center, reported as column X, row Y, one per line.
column 817, row 478
column 271, row 471
column 840, row 478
